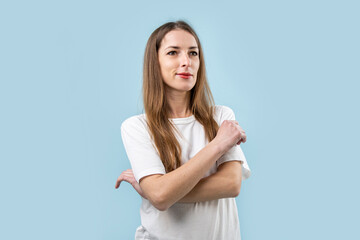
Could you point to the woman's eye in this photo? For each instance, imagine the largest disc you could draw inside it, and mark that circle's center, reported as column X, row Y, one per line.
column 191, row 53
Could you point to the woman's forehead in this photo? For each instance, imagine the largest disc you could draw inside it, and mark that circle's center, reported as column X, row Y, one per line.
column 179, row 39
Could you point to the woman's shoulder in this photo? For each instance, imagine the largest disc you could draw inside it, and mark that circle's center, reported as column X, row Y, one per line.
column 222, row 113
column 222, row 108
column 134, row 123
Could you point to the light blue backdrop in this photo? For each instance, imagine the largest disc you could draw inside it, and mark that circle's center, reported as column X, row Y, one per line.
column 71, row 73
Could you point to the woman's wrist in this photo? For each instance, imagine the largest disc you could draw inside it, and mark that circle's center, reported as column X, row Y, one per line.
column 217, row 147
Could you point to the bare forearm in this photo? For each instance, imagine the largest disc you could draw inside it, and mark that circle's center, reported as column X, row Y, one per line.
column 176, row 184
column 216, row 186
column 165, row 190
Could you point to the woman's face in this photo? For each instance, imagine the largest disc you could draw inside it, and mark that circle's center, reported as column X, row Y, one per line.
column 179, row 60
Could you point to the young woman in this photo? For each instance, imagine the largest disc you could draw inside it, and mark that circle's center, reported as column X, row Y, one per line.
column 184, row 153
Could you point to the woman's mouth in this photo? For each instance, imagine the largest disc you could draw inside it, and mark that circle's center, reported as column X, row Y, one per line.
column 184, row 75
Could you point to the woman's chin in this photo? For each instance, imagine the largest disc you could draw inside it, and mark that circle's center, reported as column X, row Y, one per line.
column 181, row 88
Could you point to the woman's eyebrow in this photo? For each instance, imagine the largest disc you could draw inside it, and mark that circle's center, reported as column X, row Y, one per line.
column 176, row 47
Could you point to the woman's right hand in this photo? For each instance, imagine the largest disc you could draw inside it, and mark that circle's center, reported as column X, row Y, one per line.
column 128, row 176
column 229, row 134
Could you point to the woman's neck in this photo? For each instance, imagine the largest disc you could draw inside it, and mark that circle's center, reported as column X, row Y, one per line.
column 178, row 104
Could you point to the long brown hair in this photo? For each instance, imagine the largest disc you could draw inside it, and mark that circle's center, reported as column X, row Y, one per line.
column 201, row 101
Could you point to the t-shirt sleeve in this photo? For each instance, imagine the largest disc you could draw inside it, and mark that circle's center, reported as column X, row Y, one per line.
column 235, row 153
column 140, row 150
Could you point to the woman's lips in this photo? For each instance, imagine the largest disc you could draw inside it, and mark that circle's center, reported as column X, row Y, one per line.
column 184, row 75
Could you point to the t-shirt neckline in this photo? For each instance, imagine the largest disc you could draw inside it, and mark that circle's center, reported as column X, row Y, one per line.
column 183, row 120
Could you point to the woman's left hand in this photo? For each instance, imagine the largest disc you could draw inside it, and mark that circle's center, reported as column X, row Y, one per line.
column 243, row 135
column 128, row 176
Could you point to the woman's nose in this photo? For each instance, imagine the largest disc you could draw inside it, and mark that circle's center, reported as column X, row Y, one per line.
column 185, row 60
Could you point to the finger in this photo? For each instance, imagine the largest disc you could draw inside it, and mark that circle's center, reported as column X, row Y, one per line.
column 243, row 134
column 128, row 174
column 118, row 181
column 239, row 127
column 130, row 179
column 122, row 177
column 242, row 139
column 234, row 121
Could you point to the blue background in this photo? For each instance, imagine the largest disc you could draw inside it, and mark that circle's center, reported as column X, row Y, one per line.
column 71, row 72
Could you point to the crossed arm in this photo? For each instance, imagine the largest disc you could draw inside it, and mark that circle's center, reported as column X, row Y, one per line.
column 224, row 183
column 186, row 183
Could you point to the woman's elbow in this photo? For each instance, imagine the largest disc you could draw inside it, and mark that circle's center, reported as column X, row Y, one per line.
column 155, row 194
column 160, row 205
column 159, row 202
column 236, row 187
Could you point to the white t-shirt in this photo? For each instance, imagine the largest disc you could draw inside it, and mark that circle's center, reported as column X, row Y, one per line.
column 210, row 220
